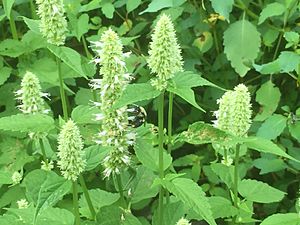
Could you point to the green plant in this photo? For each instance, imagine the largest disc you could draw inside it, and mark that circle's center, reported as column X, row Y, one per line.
column 218, row 81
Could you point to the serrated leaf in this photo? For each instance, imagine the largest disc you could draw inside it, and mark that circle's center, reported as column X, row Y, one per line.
column 85, row 114
column 273, row 9
column 45, row 189
column 221, row 207
column 258, row 191
column 81, row 26
column 132, row 5
column 100, row 198
column 171, row 214
column 94, row 155
column 223, row 7
column 156, row 5
column 192, row 196
column 141, row 186
column 27, row 123
column 149, row 155
column 272, row 127
column 108, row 10
column 267, row 165
column 241, row 45
column 203, row 133
column 280, row 218
column 5, row 73
column 266, row 146
column 182, row 83
column 268, row 97
column 32, row 24
column 73, row 59
column 145, row 92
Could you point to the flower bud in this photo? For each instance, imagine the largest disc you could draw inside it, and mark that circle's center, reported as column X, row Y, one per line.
column 22, row 204
column 114, row 130
column 164, row 53
column 71, row 159
column 30, row 95
column 16, row 178
column 234, row 114
column 183, row 221
column 53, row 24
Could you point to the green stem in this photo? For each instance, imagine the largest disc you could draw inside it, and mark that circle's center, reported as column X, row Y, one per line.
column 120, row 188
column 75, row 203
column 236, row 175
column 87, row 53
column 62, row 90
column 216, row 40
column 87, row 197
column 170, row 120
column 43, row 151
column 33, row 10
column 161, row 150
column 13, row 27
column 277, row 46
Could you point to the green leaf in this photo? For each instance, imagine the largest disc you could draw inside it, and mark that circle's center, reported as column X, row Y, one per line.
column 73, row 59
column 108, row 10
column 279, row 219
column 221, row 207
column 7, row 5
column 5, row 73
column 45, row 189
column 132, row 5
column 241, row 45
column 157, row 5
column 286, row 62
column 27, row 123
column 113, row 215
column 223, row 7
column 148, row 155
column 85, row 114
column 273, row 9
column 266, row 146
column 192, row 196
column 81, row 26
column 267, row 165
column 272, row 127
column 94, row 155
column 268, row 96
column 258, row 191
column 292, row 38
column 225, row 173
column 171, row 214
column 203, row 133
column 56, row 216
column 145, row 92
column 100, row 198
column 32, row 24
column 141, row 186
column 182, row 83
column 12, row 48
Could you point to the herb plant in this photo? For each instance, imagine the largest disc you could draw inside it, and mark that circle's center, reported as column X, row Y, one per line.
column 131, row 112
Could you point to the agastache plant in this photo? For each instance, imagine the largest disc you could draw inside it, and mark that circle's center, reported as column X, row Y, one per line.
column 164, row 54
column 71, row 158
column 234, row 117
column 115, row 131
column 30, row 95
column 53, row 24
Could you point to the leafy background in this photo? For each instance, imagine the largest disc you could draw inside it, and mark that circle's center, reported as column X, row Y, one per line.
column 251, row 42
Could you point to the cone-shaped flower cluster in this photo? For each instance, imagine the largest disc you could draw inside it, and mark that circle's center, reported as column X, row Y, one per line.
column 183, row 221
column 30, row 95
column 71, row 156
column 22, row 204
column 114, row 122
column 16, row 178
column 234, row 114
column 53, row 25
column 165, row 53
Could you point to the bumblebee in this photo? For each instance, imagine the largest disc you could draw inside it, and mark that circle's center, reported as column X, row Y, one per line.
column 137, row 115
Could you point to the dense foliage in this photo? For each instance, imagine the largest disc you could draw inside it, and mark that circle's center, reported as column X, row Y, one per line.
column 162, row 112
